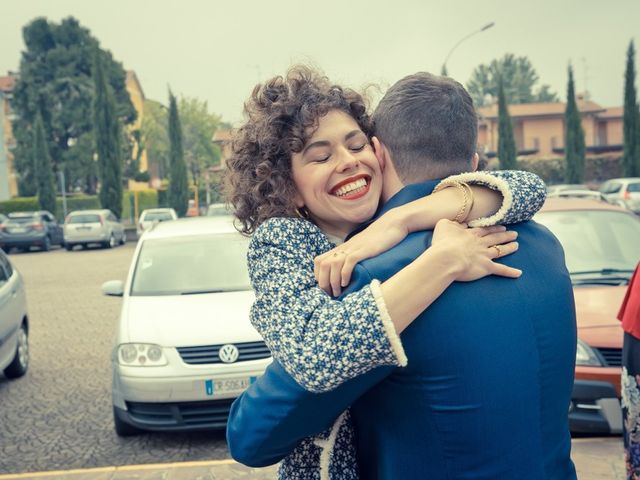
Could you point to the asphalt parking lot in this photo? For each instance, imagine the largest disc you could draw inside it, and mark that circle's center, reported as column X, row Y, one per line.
column 58, row 417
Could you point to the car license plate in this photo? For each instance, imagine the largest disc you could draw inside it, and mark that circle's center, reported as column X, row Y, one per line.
column 17, row 230
column 228, row 385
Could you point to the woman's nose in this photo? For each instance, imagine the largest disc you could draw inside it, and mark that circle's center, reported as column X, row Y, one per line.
column 347, row 161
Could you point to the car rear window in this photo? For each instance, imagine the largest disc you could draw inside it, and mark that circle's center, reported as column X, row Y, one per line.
column 161, row 216
column 23, row 218
column 611, row 187
column 84, row 218
column 634, row 187
column 190, row 265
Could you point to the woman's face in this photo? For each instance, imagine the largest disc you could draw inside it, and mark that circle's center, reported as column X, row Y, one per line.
column 337, row 175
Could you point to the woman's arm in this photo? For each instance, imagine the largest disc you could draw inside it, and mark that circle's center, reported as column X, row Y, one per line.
column 322, row 342
column 501, row 197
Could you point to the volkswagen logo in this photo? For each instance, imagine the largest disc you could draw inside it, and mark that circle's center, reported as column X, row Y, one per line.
column 228, row 353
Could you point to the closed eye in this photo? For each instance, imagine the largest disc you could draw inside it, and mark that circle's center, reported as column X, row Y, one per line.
column 358, row 148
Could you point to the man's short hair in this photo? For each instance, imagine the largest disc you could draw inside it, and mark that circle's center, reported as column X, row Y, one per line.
column 429, row 125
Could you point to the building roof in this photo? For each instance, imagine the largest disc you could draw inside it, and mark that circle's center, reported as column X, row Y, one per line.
column 133, row 78
column 539, row 109
column 7, row 83
column 222, row 136
column 612, row 112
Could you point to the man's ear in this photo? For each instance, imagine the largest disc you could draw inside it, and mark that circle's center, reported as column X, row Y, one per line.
column 379, row 151
column 474, row 162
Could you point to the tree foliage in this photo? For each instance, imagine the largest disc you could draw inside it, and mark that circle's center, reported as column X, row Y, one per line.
column 631, row 118
column 155, row 136
column 178, row 183
column 518, row 78
column 574, row 146
column 108, row 136
column 507, row 152
column 55, row 79
column 198, row 127
column 45, row 181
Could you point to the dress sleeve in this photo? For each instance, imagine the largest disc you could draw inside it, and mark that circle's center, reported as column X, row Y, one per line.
column 523, row 194
column 321, row 342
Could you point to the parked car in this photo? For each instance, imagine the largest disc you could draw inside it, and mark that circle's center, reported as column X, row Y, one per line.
column 218, row 209
column 154, row 215
column 553, row 189
column 624, row 190
column 592, row 194
column 84, row 227
column 601, row 250
column 24, row 230
column 14, row 322
column 184, row 347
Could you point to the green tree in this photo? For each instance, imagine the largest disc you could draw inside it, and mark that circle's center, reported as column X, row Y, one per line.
column 55, row 79
column 108, row 135
column 631, row 119
column 518, row 78
column 574, row 147
column 198, row 127
column 178, row 184
column 46, row 187
column 507, row 153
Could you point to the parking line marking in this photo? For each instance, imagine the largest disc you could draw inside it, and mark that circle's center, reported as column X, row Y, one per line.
column 123, row 468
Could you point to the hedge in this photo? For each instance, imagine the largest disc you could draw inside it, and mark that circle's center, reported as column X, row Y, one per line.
column 146, row 199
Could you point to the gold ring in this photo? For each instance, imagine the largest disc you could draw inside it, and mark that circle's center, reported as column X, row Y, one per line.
column 497, row 249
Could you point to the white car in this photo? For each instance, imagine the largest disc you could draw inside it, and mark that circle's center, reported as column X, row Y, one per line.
column 84, row 227
column 14, row 323
column 184, row 347
column 624, row 192
column 154, row 215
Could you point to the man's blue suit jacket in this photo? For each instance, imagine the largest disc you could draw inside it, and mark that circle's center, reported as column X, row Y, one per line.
column 486, row 392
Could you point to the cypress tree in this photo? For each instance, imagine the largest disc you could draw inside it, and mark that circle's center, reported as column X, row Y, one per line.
column 630, row 160
column 107, row 134
column 507, row 153
column 178, row 184
column 45, row 182
column 574, row 147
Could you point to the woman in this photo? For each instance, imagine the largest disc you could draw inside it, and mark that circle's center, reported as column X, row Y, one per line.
column 629, row 315
column 303, row 174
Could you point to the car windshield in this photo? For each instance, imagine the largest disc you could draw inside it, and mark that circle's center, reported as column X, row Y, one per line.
column 597, row 243
column 160, row 216
column 191, row 265
column 84, row 218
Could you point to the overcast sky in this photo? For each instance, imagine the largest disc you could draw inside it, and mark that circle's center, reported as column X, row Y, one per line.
column 217, row 50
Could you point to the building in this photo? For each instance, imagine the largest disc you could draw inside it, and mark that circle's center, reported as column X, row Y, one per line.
column 8, row 180
column 137, row 97
column 538, row 128
column 222, row 137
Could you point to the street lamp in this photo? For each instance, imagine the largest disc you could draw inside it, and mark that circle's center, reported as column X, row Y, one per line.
column 444, row 64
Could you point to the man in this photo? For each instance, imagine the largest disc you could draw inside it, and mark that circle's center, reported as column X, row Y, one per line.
column 487, row 389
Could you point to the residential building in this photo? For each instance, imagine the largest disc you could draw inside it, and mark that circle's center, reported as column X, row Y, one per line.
column 8, row 180
column 538, row 128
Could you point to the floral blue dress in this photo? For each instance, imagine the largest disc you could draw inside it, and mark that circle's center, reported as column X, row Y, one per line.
column 323, row 342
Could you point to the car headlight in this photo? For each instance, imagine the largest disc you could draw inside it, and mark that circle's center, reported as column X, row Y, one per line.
column 141, row 355
column 586, row 356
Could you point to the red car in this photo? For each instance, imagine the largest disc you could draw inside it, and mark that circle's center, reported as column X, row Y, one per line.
column 602, row 247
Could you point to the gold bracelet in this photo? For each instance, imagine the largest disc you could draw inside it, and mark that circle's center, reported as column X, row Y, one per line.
column 464, row 211
column 471, row 201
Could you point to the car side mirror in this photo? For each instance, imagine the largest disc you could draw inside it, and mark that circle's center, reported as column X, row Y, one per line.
column 113, row 288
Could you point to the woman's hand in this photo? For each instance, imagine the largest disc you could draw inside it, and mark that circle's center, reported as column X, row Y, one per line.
column 475, row 249
column 333, row 269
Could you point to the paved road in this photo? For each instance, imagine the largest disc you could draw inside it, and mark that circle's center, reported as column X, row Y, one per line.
column 58, row 417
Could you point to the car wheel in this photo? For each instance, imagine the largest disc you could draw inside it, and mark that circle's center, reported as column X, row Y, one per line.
column 123, row 239
column 111, row 242
column 68, row 246
column 20, row 363
column 46, row 246
column 123, row 429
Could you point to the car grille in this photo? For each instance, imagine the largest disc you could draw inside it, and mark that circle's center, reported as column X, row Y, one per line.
column 210, row 413
column 208, row 354
column 612, row 356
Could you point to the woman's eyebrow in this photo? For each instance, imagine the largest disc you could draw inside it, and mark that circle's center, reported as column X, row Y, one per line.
column 319, row 143
column 352, row 134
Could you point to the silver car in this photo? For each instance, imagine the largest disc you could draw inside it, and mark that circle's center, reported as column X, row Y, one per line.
column 14, row 323
column 624, row 192
column 84, row 227
column 184, row 347
column 154, row 215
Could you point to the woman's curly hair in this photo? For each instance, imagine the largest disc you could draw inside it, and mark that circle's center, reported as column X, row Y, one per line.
column 281, row 115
